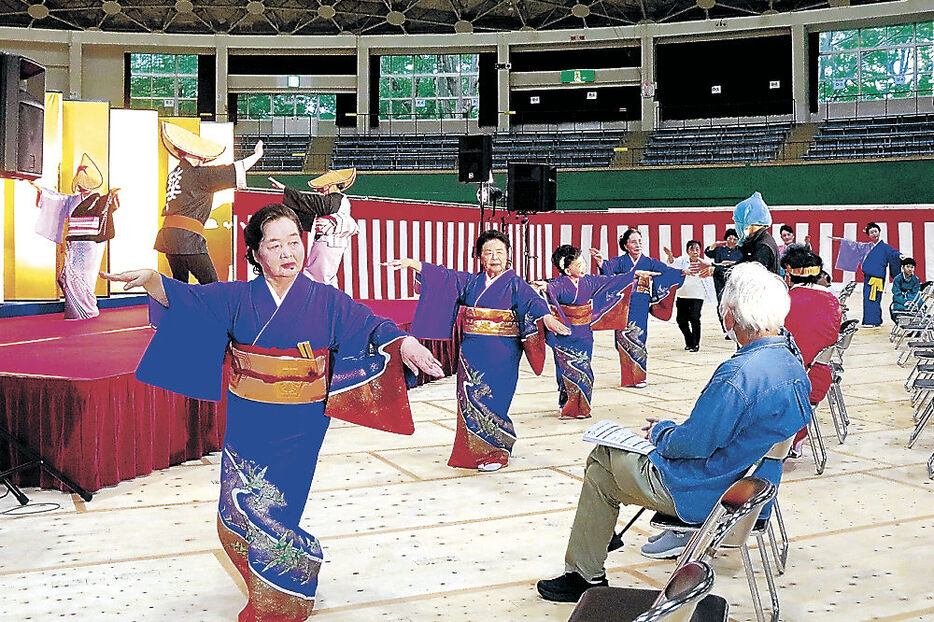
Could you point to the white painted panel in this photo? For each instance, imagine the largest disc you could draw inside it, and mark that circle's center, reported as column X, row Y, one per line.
column 586, row 244
column 929, row 250
column 802, row 230
column 363, row 255
column 905, row 241
column 849, row 232
column 380, row 269
column 825, row 246
column 565, row 234
column 375, row 251
column 664, row 237
column 460, row 246
column 403, row 253
column 710, row 235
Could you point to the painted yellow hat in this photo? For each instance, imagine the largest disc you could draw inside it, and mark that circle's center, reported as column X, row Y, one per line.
column 88, row 176
column 342, row 178
column 180, row 142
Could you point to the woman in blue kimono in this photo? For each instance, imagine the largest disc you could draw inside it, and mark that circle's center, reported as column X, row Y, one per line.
column 501, row 314
column 301, row 352
column 875, row 256
column 655, row 282
column 585, row 303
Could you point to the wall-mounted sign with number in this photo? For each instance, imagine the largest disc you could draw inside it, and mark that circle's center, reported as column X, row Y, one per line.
column 534, row 99
column 591, row 95
column 715, row 89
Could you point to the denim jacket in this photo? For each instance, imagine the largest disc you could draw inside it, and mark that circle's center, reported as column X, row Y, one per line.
column 755, row 399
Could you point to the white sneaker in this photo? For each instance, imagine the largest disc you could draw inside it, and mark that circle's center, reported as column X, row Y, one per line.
column 640, row 385
column 489, row 467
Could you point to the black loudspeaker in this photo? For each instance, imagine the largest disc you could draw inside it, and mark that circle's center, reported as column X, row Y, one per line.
column 474, row 158
column 532, row 188
column 22, row 116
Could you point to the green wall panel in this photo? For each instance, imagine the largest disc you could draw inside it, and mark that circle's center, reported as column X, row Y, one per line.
column 896, row 182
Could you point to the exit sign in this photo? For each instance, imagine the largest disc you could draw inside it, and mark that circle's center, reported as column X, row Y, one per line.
column 572, row 76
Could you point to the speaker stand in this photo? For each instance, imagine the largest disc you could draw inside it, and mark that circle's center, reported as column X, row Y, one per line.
column 33, row 459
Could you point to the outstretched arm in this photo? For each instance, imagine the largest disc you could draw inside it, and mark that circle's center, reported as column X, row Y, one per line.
column 150, row 280
column 398, row 264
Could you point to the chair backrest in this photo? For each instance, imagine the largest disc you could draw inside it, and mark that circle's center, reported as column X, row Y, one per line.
column 823, row 357
column 733, row 517
column 687, row 586
column 846, row 291
column 780, row 449
column 846, row 336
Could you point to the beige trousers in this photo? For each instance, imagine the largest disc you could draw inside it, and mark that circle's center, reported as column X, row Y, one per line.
column 612, row 477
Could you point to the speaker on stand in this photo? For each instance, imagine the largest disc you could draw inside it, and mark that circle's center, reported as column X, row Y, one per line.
column 531, row 188
column 22, row 116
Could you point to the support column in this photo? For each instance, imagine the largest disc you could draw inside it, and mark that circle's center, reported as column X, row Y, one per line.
column 75, row 65
column 220, row 78
column 363, row 88
column 502, row 87
column 799, row 73
column 648, row 75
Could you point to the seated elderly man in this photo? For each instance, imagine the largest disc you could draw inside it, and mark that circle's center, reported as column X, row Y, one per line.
column 755, row 399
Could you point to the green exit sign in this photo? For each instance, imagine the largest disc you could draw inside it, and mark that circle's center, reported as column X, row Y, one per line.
column 570, row 76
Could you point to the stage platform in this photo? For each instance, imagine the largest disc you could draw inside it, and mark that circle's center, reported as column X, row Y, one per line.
column 68, row 391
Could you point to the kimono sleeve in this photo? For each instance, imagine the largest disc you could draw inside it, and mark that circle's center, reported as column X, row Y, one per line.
column 308, row 205
column 894, row 260
column 216, row 178
column 186, row 354
column 610, row 300
column 851, row 255
column 441, row 291
column 368, row 379
column 530, row 308
column 664, row 286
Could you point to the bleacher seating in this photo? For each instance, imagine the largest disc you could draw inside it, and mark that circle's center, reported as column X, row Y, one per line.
column 563, row 149
column 715, row 144
column 281, row 153
column 905, row 135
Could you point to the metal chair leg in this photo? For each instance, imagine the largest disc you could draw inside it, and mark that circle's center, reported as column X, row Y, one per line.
column 816, row 440
column 751, row 579
column 769, row 579
column 922, row 421
column 779, row 550
column 835, row 404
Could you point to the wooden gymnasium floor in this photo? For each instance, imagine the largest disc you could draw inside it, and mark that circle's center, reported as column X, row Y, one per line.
column 408, row 538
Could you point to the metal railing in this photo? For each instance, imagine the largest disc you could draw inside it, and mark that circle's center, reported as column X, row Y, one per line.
column 845, row 107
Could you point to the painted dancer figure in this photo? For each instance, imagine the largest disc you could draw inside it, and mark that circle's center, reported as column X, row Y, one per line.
column 875, row 256
column 585, row 303
column 89, row 216
column 189, row 193
column 656, row 284
column 301, row 352
column 500, row 319
column 325, row 214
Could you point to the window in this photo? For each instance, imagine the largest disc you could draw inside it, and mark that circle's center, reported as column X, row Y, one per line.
column 880, row 62
column 258, row 106
column 167, row 83
column 429, row 86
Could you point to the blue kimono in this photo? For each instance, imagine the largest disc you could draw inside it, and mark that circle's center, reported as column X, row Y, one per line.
column 875, row 258
column 271, row 449
column 631, row 343
column 499, row 321
column 595, row 302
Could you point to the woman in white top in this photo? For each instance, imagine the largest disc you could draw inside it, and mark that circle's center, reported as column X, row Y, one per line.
column 697, row 286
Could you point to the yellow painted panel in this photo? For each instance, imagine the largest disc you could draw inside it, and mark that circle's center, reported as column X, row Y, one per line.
column 86, row 129
column 166, row 164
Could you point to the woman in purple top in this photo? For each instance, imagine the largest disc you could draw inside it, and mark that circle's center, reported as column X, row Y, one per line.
column 655, row 282
column 500, row 320
column 584, row 302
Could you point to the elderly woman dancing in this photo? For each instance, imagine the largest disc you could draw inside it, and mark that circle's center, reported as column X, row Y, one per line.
column 585, row 302
column 500, row 318
column 301, row 352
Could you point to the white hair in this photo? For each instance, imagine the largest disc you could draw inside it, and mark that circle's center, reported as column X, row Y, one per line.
column 758, row 299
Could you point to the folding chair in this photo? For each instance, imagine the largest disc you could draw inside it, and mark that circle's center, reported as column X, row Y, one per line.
column 834, row 397
column 736, row 511
column 687, row 586
column 931, row 467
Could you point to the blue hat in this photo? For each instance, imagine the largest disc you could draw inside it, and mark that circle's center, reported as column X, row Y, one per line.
column 753, row 211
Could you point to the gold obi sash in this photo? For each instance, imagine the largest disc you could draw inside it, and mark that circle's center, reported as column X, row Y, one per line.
column 577, row 315
column 281, row 378
column 496, row 322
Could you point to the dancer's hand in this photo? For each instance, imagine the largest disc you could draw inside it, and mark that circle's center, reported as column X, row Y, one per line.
column 398, row 264
column 417, row 357
column 596, row 255
column 150, row 280
column 278, row 185
column 539, row 286
column 258, row 149
column 555, row 325
column 647, row 273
